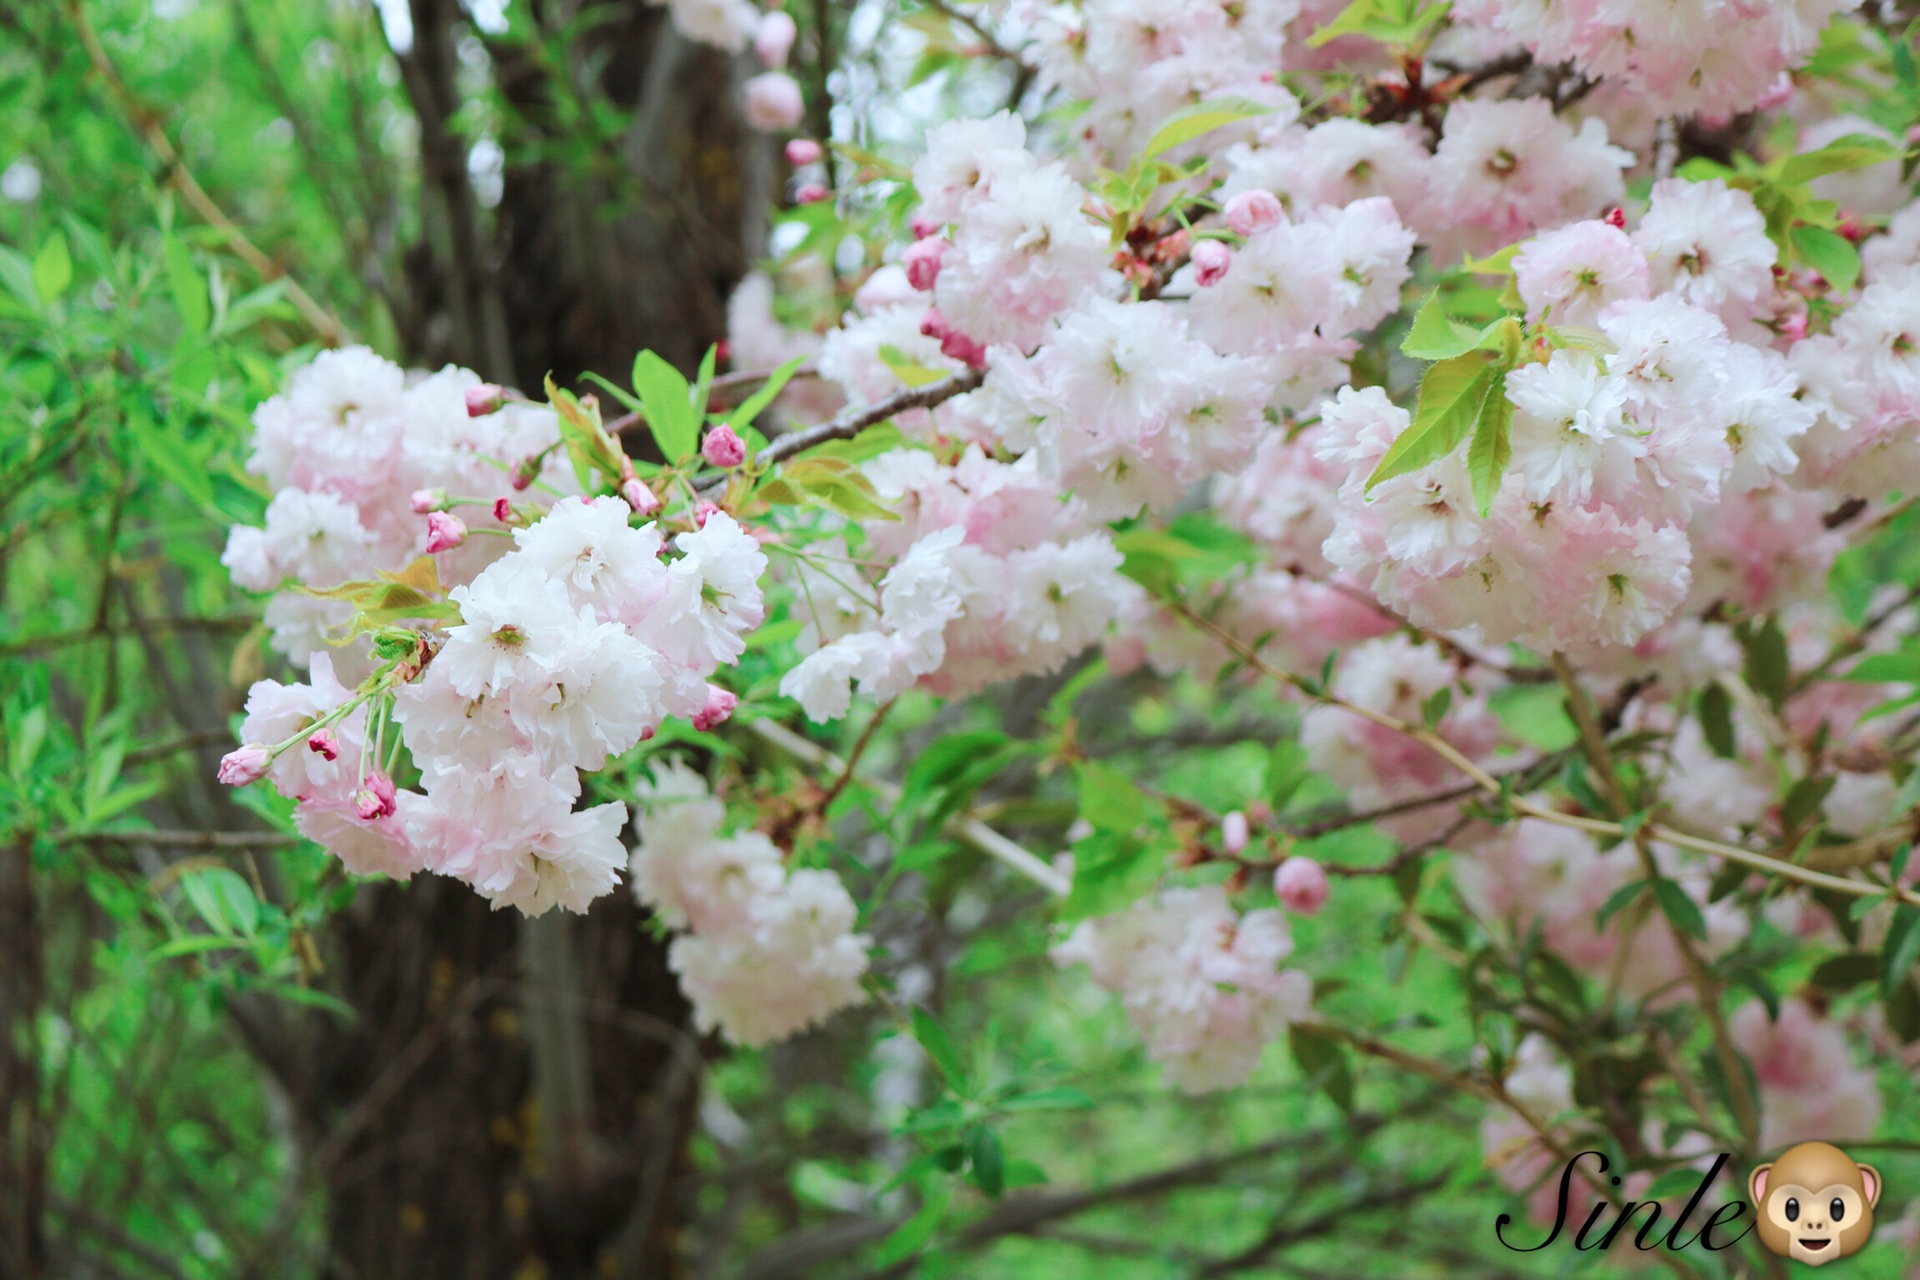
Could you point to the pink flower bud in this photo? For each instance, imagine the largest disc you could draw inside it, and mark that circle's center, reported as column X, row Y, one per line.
column 1233, row 832
column 1301, row 886
column 248, row 764
column 1211, row 258
column 503, row 510
column 444, row 532
column 376, row 799
column 958, row 346
column 425, row 500
column 922, row 261
column 719, row 707
column 802, row 151
column 773, row 38
column 324, row 744
column 723, row 447
column 484, row 399
column 526, row 471
column 701, row 512
column 1252, row 212
column 1616, row 218
column 639, row 497
column 1794, row 327
column 922, row 226
column 810, row 193
column 774, row 102
column 934, row 325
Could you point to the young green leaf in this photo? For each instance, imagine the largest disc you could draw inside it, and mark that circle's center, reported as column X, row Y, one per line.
column 667, row 401
column 1901, row 950
column 1435, row 335
column 52, row 268
column 939, row 1046
column 1491, row 450
column 1854, row 151
column 1451, row 395
column 1201, row 118
column 1829, row 253
column 743, row 415
column 1680, row 908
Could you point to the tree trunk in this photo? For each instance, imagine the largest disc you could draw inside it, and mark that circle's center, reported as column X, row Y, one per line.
column 516, row 1097
column 23, row 1127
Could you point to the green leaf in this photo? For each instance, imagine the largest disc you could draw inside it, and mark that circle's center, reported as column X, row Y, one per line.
column 1715, row 710
column 1829, row 253
column 52, row 268
column 1451, row 395
column 1323, row 1062
column 1435, row 335
column 1201, row 118
column 1286, row 771
column 1854, row 151
column 1110, row 871
column 666, row 400
column 1902, row 949
column 989, row 1159
column 703, row 381
column 1110, row 801
column 939, row 1046
column 1060, row 1098
column 1491, row 451
column 903, row 367
column 222, row 899
column 1435, row 708
column 1617, row 901
column 1849, row 969
column 832, row 483
column 1680, row 908
column 1766, row 664
column 188, row 288
column 1494, row 264
column 743, row 414
column 911, row 1236
column 1803, row 801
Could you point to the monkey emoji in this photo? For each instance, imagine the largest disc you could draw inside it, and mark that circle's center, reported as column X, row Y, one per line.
column 1814, row 1204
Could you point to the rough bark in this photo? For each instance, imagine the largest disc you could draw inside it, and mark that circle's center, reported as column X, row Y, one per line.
column 23, row 1128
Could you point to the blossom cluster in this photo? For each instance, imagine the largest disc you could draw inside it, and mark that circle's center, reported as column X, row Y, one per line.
column 569, row 648
column 762, row 951
column 1201, row 982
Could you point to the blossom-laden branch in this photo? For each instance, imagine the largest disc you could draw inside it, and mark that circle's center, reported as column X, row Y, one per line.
column 1491, row 785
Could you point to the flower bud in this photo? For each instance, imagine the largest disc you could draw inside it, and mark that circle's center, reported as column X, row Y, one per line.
column 248, row 764
column 773, row 38
column 802, row 151
column 324, row 744
column 701, row 512
column 1301, row 886
column 484, row 399
column 425, row 500
column 719, row 707
column 526, row 471
column 723, row 447
column 1211, row 258
column 934, row 325
column 774, row 102
column 376, row 799
column 810, row 193
column 922, row 226
column 503, row 510
column 1616, row 218
column 1252, row 212
column 958, row 346
column 444, row 532
column 639, row 497
column 1233, row 832
column 922, row 261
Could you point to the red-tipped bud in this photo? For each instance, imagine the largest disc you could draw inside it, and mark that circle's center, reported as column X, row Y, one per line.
column 1616, row 218
column 485, row 399
column 803, row 151
column 718, row 708
column 444, row 532
column 526, row 471
column 1211, row 258
column 1301, row 886
column 810, row 193
column 723, row 447
column 701, row 512
column 375, row 800
column 922, row 226
column 248, row 764
column 639, row 497
column 922, row 261
column 934, row 325
column 324, row 744
column 1252, row 212
column 425, row 500
column 958, row 346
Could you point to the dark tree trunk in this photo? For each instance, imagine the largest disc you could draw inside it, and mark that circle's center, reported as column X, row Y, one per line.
column 516, row 1097
column 23, row 1127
